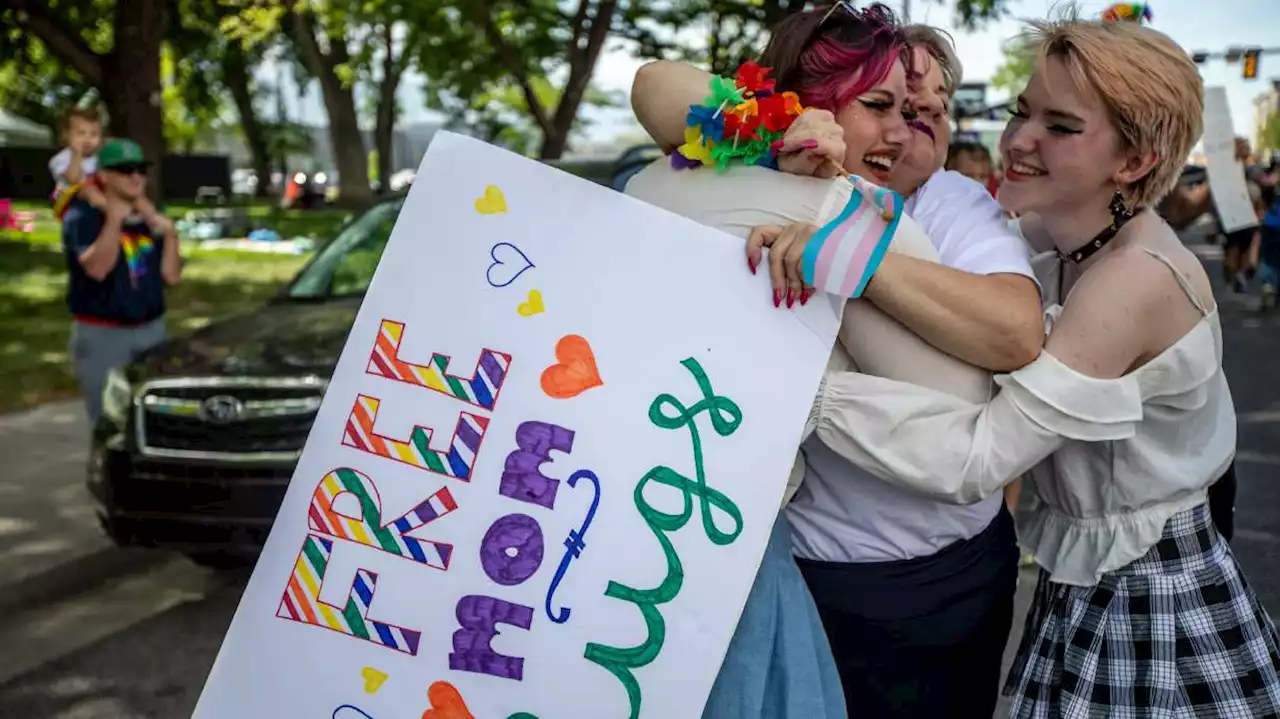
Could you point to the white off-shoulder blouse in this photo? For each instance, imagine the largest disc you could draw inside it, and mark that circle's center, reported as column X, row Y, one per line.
column 1111, row 460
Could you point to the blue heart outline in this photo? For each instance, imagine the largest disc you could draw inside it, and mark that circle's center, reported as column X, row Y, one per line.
column 493, row 254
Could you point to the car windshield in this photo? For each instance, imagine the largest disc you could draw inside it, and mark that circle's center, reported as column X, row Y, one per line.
column 344, row 267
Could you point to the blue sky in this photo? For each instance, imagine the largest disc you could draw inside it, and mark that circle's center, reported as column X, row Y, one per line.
column 1195, row 24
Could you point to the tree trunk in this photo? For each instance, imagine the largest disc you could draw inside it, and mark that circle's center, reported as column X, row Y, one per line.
column 235, row 74
column 384, row 127
column 132, row 83
column 128, row 79
column 349, row 153
column 582, row 63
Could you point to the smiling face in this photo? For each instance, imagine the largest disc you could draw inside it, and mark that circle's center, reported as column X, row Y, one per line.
column 127, row 183
column 874, row 131
column 926, row 152
column 1060, row 150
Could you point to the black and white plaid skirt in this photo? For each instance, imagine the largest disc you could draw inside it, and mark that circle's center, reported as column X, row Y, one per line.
column 1177, row 633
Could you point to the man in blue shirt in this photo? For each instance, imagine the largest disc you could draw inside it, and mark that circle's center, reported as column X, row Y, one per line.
column 118, row 270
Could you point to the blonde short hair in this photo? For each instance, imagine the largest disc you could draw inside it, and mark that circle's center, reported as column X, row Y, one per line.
column 1149, row 86
column 939, row 45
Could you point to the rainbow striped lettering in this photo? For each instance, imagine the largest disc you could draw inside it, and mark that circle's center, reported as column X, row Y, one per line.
column 301, row 601
column 368, row 528
column 481, row 389
column 456, row 462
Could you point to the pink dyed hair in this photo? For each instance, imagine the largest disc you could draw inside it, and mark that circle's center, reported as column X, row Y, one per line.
column 828, row 56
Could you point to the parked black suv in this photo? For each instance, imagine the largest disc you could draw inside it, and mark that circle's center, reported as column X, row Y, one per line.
column 199, row 438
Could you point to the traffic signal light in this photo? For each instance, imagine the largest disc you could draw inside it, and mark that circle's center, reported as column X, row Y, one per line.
column 1251, row 64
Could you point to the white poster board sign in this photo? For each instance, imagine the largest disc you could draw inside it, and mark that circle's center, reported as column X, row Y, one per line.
column 1226, row 173
column 544, row 471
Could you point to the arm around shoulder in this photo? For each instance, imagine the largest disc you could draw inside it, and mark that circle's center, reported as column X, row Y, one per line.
column 661, row 95
column 981, row 302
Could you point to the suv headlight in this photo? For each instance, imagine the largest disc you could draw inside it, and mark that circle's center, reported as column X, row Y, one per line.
column 117, row 396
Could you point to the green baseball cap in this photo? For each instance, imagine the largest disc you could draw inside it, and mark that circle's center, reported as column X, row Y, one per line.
column 117, row 151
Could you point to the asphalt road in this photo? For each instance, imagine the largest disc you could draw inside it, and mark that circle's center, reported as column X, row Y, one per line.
column 155, row 666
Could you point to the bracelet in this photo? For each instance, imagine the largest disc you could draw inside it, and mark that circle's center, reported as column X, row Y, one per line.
column 742, row 119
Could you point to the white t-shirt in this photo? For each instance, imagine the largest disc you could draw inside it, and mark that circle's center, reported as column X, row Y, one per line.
column 843, row 513
column 60, row 162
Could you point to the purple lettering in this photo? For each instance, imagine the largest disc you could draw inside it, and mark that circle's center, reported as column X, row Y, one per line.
column 512, row 549
column 472, row 643
column 521, row 477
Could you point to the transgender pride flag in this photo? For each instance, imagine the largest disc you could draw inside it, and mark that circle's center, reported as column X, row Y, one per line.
column 841, row 257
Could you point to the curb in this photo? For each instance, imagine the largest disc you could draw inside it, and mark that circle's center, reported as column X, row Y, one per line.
column 76, row 576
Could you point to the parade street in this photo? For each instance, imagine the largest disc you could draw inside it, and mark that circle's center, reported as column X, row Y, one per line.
column 138, row 641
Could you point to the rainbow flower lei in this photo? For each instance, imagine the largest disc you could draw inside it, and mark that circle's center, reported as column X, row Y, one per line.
column 1127, row 12
column 741, row 119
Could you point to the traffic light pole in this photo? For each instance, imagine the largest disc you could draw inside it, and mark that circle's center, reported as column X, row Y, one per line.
column 1249, row 57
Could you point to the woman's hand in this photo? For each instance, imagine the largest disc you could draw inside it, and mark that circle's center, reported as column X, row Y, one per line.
column 813, row 146
column 786, row 250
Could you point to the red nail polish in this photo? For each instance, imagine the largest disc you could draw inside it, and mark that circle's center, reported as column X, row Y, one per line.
column 791, row 298
column 809, row 144
column 751, row 265
column 777, row 297
column 804, row 297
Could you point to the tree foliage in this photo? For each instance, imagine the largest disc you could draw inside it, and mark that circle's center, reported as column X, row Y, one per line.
column 517, row 68
column 1269, row 136
column 1015, row 69
column 721, row 34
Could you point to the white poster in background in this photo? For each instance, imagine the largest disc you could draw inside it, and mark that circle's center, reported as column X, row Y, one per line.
column 1226, row 173
column 545, row 469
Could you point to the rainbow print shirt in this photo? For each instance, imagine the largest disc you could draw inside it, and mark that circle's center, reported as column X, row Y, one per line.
column 136, row 247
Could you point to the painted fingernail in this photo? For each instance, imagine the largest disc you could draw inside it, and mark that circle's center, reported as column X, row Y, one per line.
column 804, row 296
column 791, row 298
column 777, row 297
column 809, row 144
column 751, row 264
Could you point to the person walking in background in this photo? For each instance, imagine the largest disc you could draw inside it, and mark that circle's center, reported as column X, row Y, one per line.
column 1237, row 268
column 118, row 266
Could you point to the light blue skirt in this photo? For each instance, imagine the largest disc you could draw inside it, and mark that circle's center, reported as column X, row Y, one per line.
column 779, row 664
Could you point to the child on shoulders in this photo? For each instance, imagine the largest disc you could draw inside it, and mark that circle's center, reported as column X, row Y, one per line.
column 75, row 168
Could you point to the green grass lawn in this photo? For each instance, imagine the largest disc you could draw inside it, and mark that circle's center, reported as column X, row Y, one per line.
column 34, row 322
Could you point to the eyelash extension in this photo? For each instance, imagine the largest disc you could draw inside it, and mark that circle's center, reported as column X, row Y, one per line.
column 877, row 105
column 1056, row 129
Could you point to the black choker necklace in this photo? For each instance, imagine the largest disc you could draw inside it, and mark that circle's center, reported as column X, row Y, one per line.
column 1119, row 216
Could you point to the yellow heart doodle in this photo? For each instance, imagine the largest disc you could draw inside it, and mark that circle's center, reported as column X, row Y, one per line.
column 491, row 202
column 531, row 306
column 373, row 679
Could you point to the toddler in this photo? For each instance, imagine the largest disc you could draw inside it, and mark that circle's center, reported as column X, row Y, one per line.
column 75, row 166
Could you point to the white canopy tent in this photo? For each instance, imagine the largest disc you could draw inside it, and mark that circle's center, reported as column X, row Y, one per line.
column 20, row 132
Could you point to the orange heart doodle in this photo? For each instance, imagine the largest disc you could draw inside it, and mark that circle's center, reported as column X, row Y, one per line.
column 575, row 369
column 446, row 703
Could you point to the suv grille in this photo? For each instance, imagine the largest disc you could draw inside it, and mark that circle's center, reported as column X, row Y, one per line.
column 257, row 420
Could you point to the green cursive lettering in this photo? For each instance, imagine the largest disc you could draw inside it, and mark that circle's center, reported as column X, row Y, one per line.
column 725, row 417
